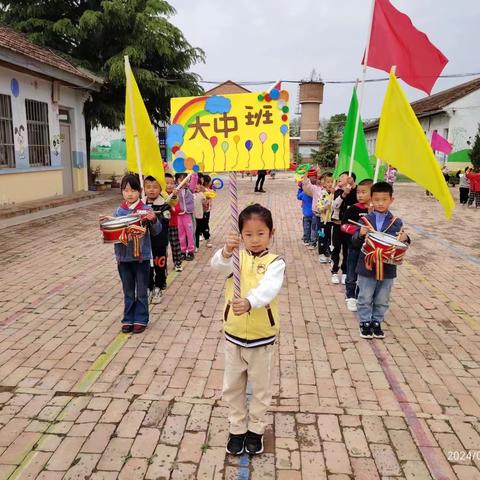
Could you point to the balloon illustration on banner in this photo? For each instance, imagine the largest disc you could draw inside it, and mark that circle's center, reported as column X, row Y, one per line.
column 236, row 139
column 262, row 137
column 249, row 146
column 213, row 143
column 225, row 150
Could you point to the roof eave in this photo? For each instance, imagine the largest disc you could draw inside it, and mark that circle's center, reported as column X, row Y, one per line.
column 32, row 65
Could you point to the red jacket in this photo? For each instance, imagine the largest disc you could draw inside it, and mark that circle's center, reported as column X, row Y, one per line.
column 474, row 179
column 175, row 210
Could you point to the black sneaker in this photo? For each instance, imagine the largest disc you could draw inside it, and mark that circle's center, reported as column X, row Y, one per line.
column 236, row 444
column 366, row 330
column 253, row 443
column 377, row 330
column 189, row 257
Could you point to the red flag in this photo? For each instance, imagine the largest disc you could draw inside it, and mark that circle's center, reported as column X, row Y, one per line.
column 395, row 41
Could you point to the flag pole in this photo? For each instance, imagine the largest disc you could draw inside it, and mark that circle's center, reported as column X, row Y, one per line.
column 362, row 88
column 134, row 125
column 377, row 165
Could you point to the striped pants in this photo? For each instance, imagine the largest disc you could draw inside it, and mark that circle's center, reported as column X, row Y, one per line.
column 175, row 245
column 476, row 196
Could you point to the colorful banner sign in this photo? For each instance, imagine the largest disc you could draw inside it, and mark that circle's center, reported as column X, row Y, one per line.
column 246, row 131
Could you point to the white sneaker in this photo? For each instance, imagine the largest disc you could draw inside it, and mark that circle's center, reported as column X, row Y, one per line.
column 352, row 304
column 157, row 295
column 323, row 259
column 312, row 247
column 209, row 245
column 344, row 278
column 306, row 243
column 178, row 268
column 335, row 279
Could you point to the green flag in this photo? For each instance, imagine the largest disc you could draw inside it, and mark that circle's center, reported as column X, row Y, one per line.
column 361, row 164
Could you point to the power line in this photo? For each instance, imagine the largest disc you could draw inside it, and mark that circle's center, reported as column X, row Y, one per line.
column 334, row 82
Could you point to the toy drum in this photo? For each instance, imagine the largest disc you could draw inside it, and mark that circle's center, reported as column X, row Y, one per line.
column 391, row 249
column 112, row 229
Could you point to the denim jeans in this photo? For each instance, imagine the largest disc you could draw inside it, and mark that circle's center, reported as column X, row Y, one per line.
column 315, row 227
column 307, row 229
column 373, row 298
column 351, row 290
column 135, row 277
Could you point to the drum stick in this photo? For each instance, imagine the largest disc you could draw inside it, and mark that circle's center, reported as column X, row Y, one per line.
column 358, row 224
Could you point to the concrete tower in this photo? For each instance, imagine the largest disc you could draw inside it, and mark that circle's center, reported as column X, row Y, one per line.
column 311, row 96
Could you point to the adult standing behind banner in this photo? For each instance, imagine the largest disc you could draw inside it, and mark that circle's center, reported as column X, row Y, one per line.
column 261, row 174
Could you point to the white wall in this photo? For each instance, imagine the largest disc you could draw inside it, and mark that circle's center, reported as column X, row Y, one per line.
column 32, row 88
column 464, row 120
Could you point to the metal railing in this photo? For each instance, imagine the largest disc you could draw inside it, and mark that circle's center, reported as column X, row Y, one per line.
column 7, row 147
column 38, row 133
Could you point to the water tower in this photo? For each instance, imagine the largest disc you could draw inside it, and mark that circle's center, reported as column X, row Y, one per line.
column 310, row 99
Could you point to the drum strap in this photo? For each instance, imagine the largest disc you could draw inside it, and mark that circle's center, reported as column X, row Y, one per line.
column 376, row 256
column 133, row 233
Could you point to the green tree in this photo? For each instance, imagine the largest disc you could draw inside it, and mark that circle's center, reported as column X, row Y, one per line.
column 475, row 152
column 96, row 34
column 295, row 127
column 330, row 139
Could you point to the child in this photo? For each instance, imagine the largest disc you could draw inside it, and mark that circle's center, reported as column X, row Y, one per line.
column 314, row 190
column 185, row 221
column 339, row 240
column 464, row 185
column 474, row 179
column 200, row 202
column 251, row 324
column 158, row 271
column 134, row 269
column 307, row 214
column 374, row 288
column 354, row 212
column 324, row 226
column 173, row 225
column 210, row 194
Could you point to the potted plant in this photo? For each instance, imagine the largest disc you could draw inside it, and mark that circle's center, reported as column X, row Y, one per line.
column 115, row 182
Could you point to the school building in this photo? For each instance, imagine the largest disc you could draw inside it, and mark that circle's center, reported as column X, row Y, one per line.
column 42, row 126
column 453, row 113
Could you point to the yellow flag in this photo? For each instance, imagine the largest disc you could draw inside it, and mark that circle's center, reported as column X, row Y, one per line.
column 402, row 143
column 137, row 125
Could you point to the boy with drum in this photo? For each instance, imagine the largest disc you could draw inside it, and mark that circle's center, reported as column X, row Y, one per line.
column 375, row 277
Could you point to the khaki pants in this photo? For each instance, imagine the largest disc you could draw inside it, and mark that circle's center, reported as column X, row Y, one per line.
column 252, row 365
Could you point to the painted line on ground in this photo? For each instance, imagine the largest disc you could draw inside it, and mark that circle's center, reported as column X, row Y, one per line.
column 452, row 306
column 446, row 244
column 429, row 453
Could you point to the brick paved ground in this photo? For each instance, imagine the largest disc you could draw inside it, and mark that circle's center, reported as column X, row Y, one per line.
column 79, row 400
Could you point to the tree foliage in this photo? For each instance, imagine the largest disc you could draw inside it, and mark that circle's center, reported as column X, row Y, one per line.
column 330, row 139
column 96, row 34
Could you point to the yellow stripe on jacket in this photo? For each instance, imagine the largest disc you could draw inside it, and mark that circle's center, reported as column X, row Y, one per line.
column 260, row 323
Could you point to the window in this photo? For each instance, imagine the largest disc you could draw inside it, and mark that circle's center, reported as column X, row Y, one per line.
column 38, row 133
column 7, row 148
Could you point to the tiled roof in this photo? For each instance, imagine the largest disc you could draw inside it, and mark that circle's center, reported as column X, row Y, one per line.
column 437, row 101
column 17, row 42
column 229, row 86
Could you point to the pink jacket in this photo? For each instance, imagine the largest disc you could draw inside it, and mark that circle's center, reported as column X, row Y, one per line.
column 314, row 191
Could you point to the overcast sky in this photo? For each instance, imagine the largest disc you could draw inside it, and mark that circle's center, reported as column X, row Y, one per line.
column 259, row 40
